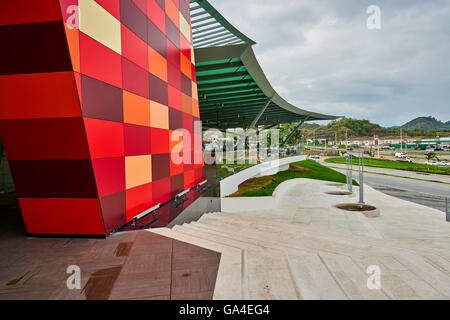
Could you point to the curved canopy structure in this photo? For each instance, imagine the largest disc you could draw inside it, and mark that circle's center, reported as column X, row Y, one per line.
column 210, row 28
column 233, row 90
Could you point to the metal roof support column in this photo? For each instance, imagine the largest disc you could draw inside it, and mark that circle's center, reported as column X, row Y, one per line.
column 293, row 131
column 255, row 121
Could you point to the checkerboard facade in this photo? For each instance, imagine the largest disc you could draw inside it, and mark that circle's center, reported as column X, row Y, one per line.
column 92, row 93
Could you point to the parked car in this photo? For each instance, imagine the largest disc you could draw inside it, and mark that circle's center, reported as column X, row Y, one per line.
column 314, row 157
column 444, row 163
column 432, row 162
column 400, row 155
column 350, row 149
column 349, row 155
column 405, row 159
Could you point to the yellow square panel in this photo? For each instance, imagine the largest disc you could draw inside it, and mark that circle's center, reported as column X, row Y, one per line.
column 159, row 115
column 194, row 91
column 100, row 25
column 138, row 170
column 185, row 28
column 192, row 56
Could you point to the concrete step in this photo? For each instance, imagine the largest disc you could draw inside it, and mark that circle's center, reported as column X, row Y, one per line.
column 229, row 284
column 404, row 284
column 281, row 239
column 265, row 273
column 325, row 235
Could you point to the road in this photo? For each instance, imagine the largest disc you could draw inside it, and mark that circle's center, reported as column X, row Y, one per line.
column 399, row 173
column 430, row 194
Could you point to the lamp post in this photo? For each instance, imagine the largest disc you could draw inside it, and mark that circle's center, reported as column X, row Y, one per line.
column 361, row 176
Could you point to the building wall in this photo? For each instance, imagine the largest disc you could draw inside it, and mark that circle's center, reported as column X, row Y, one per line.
column 89, row 109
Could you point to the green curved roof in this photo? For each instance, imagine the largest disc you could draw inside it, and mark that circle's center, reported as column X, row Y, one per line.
column 210, row 28
column 232, row 87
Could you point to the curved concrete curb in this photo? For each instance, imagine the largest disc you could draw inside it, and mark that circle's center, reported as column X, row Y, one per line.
column 230, row 184
column 241, row 204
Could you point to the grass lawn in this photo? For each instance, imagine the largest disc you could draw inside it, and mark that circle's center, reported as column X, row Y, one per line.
column 310, row 169
column 399, row 165
column 223, row 172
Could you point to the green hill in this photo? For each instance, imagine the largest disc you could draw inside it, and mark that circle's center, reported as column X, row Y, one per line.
column 426, row 124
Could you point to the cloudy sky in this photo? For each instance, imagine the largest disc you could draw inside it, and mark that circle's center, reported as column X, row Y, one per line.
column 320, row 55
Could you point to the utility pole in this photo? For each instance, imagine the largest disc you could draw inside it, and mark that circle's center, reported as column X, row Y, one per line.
column 335, row 138
column 346, row 140
column 401, row 141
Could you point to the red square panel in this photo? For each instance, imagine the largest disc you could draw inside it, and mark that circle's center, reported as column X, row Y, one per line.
column 156, row 15
column 29, row 11
column 62, row 216
column 100, row 62
column 185, row 46
column 39, row 95
column 173, row 55
column 112, row 6
column 109, row 175
column 134, row 49
column 159, row 140
column 176, row 168
column 161, row 190
column 139, row 199
column 189, row 179
column 105, row 138
column 137, row 140
column 175, row 99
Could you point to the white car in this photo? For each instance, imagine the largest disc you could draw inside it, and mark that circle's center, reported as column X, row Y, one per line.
column 444, row 163
column 432, row 162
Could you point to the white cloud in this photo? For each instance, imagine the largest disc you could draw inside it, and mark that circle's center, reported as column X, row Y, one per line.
column 320, row 55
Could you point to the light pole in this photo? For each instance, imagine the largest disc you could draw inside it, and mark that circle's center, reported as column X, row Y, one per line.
column 361, row 176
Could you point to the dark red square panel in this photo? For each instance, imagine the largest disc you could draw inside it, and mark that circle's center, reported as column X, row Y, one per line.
column 174, row 76
column 176, row 184
column 175, row 119
column 41, row 139
column 135, row 79
column 101, row 100
column 34, row 48
column 53, row 178
column 172, row 32
column 133, row 18
column 160, row 166
column 114, row 210
column 158, row 90
column 137, row 140
column 109, row 175
column 159, row 140
column 186, row 85
column 156, row 39
column 161, row 191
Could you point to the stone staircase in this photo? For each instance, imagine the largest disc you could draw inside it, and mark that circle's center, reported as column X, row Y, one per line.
column 266, row 259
